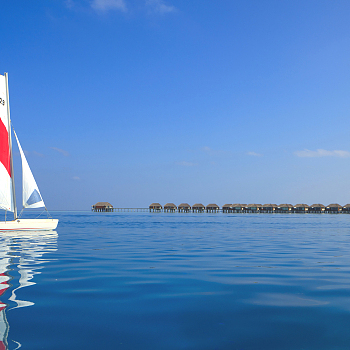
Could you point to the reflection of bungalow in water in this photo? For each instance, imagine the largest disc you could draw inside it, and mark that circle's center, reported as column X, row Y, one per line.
column 212, row 208
column 239, row 208
column 171, row 207
column 284, row 208
column 227, row 208
column 253, row 208
column 198, row 208
column 155, row 207
column 102, row 206
column 333, row 208
column 184, row 208
column 346, row 208
column 268, row 208
column 317, row 208
column 301, row 208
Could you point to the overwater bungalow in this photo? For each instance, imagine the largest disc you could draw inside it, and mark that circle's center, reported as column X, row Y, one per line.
column 102, row 206
column 239, row 208
column 301, row 208
column 253, row 208
column 333, row 208
column 184, row 208
column 284, row 208
column 268, row 208
column 170, row 207
column 155, row 207
column 317, row 208
column 227, row 208
column 198, row 208
column 346, row 208
column 212, row 208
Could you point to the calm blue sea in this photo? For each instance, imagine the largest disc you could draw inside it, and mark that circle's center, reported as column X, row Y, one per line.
column 178, row 281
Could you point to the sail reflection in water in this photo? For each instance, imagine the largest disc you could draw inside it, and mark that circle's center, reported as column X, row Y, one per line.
column 21, row 255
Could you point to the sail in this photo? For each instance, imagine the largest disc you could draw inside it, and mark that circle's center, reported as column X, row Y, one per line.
column 31, row 194
column 5, row 151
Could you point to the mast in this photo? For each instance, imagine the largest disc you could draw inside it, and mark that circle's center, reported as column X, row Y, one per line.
column 10, row 142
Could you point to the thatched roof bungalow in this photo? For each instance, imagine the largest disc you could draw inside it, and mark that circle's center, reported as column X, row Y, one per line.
column 346, row 208
column 253, row 208
column 184, row 208
column 212, row 208
column 227, row 208
column 198, row 207
column 317, row 208
column 333, row 208
column 170, row 207
column 268, row 208
column 284, row 208
column 102, row 206
column 239, row 208
column 155, row 207
column 301, row 208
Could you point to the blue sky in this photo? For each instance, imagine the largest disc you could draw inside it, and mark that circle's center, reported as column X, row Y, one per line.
column 140, row 101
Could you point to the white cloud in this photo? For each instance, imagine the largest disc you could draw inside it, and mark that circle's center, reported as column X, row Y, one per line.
column 62, row 151
column 184, row 163
column 212, row 152
column 105, row 5
column 254, row 154
column 322, row 153
column 32, row 153
column 159, row 6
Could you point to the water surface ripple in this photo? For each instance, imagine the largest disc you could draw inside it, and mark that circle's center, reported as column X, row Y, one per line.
column 179, row 281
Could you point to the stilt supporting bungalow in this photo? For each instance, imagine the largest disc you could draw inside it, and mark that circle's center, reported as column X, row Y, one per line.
column 317, row 208
column 212, row 208
column 239, row 208
column 198, row 208
column 301, row 208
column 102, row 206
column 333, row 208
column 184, row 208
column 268, row 208
column 284, row 208
column 227, row 208
column 254, row 208
column 170, row 207
column 155, row 207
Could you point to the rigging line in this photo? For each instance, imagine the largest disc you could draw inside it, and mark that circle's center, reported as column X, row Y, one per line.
column 40, row 214
column 20, row 213
column 48, row 214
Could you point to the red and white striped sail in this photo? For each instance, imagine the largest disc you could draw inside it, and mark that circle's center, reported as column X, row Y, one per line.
column 5, row 151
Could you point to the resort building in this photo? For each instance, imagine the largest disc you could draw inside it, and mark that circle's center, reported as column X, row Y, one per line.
column 284, row 208
column 212, row 208
column 102, row 206
column 268, row 208
column 346, row 208
column 317, row 208
column 301, row 208
column 170, row 207
column 333, row 208
column 239, row 208
column 227, row 208
column 184, row 208
column 254, row 208
column 198, row 208
column 155, row 207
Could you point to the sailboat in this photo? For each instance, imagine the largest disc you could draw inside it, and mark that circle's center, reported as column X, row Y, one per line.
column 31, row 194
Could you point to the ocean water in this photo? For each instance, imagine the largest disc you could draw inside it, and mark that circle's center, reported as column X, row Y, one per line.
column 178, row 281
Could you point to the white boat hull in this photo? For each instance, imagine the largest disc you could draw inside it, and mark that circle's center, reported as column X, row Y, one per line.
column 29, row 225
